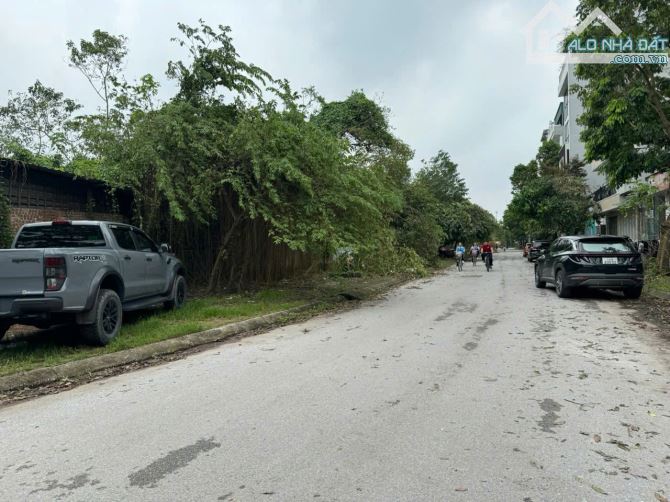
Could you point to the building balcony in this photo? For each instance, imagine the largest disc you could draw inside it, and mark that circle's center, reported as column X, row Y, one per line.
column 555, row 133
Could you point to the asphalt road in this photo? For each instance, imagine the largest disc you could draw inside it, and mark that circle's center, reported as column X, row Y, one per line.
column 465, row 386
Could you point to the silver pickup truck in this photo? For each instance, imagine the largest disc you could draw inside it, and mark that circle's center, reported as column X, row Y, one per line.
column 87, row 272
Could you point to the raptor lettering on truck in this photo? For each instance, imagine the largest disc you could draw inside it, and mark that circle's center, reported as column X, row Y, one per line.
column 79, row 258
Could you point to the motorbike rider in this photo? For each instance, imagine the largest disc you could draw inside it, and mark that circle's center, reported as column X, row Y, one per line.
column 487, row 250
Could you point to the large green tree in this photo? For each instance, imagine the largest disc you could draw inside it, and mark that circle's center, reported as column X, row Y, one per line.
column 440, row 174
column 547, row 199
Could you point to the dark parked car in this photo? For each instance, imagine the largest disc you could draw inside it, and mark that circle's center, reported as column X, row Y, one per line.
column 536, row 249
column 446, row 252
column 597, row 262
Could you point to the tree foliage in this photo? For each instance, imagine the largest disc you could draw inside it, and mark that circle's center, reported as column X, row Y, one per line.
column 100, row 61
column 548, row 199
column 35, row 126
column 246, row 169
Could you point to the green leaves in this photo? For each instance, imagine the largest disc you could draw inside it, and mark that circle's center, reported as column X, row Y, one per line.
column 35, row 126
column 100, row 60
column 214, row 65
column 548, row 199
column 441, row 177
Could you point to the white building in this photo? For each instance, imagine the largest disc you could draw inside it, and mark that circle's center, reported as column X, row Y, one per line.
column 568, row 111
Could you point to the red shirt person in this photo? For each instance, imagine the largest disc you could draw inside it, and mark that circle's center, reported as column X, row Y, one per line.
column 487, row 250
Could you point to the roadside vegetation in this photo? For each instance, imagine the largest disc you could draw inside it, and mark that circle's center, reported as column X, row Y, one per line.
column 251, row 180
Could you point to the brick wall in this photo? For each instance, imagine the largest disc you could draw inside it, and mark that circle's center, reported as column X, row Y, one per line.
column 22, row 215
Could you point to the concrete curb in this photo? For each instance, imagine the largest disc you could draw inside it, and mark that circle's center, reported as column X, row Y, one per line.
column 75, row 369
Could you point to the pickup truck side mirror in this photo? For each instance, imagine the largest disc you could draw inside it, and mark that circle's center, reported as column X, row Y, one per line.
column 165, row 248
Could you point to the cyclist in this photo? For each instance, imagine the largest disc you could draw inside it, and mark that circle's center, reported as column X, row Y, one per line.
column 487, row 250
column 460, row 251
column 474, row 253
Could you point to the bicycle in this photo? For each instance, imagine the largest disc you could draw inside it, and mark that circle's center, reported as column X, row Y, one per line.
column 459, row 262
column 474, row 259
column 489, row 262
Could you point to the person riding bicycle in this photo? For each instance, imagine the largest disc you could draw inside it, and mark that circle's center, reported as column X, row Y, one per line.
column 460, row 251
column 474, row 252
column 487, row 250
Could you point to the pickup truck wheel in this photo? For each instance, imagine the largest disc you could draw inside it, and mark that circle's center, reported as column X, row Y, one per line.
column 106, row 321
column 178, row 295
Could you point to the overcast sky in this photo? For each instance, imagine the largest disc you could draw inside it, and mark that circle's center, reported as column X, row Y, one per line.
column 454, row 74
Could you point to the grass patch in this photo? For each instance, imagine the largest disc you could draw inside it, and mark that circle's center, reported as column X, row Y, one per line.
column 28, row 350
column 660, row 283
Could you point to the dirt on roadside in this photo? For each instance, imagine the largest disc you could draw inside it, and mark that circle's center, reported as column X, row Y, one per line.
column 655, row 310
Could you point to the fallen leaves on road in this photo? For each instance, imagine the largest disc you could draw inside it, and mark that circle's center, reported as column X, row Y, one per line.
column 596, row 438
column 597, row 489
column 660, row 497
column 460, row 489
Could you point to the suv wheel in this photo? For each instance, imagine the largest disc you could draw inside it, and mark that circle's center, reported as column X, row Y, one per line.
column 107, row 319
column 632, row 293
column 562, row 290
column 178, row 295
column 538, row 282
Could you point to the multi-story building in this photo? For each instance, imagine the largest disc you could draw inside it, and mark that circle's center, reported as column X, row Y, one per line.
column 641, row 224
column 569, row 110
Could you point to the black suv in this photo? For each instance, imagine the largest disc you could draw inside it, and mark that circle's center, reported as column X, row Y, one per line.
column 598, row 262
column 536, row 249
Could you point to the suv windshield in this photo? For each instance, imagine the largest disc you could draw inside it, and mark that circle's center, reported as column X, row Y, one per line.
column 605, row 246
column 61, row 236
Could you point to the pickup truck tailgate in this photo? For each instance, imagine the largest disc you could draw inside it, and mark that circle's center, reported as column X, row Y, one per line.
column 21, row 272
